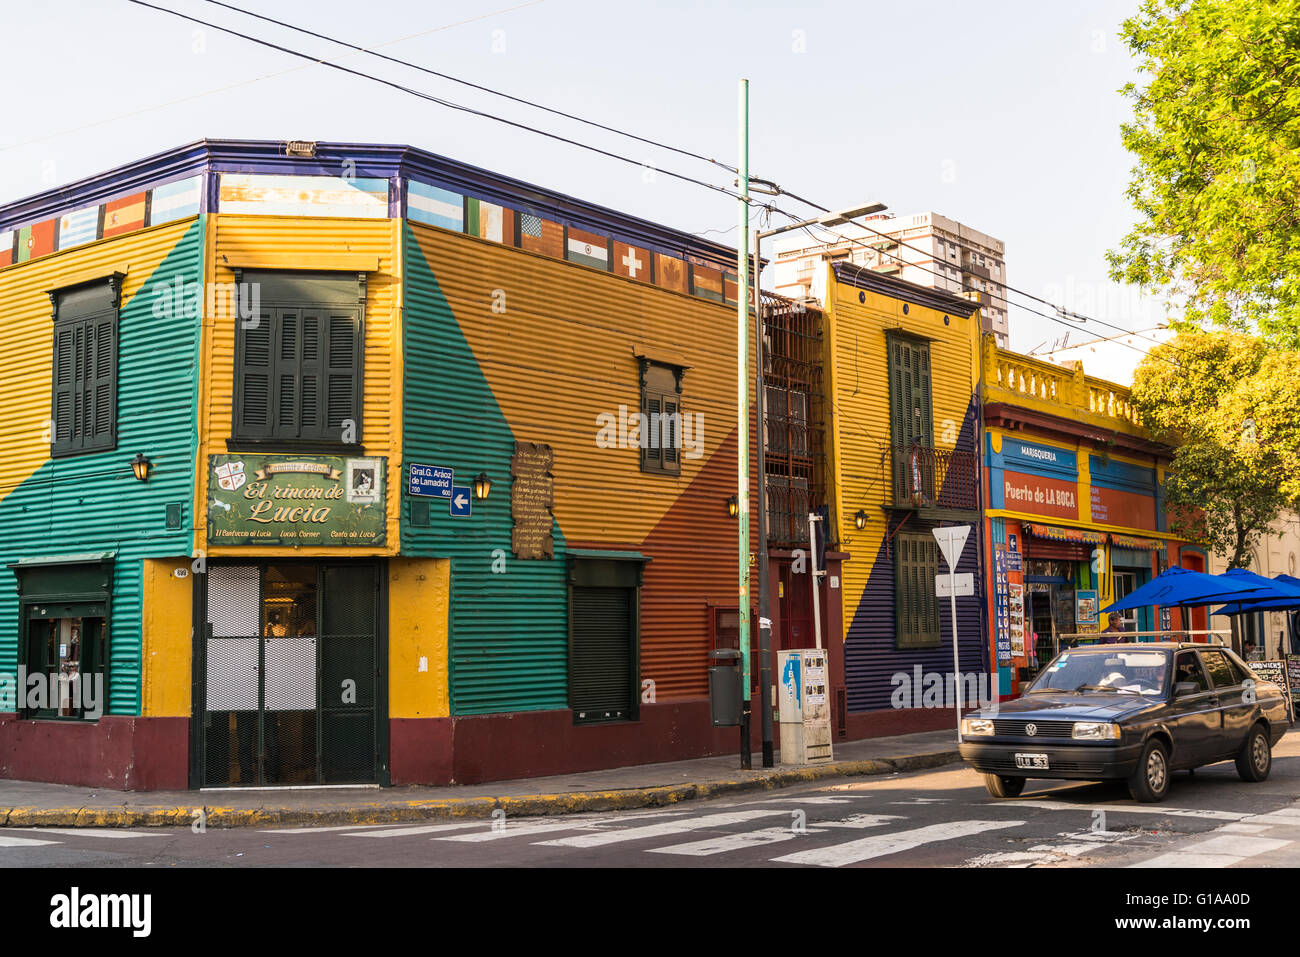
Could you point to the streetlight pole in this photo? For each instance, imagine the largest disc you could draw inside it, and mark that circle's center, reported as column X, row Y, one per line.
column 760, row 404
column 742, row 418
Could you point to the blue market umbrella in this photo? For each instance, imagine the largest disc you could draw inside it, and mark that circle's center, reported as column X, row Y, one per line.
column 1182, row 586
column 1275, row 594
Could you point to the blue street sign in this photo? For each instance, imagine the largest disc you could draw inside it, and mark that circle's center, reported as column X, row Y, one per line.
column 461, row 501
column 432, row 480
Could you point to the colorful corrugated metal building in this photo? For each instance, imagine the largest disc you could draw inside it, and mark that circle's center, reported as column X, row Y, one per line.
column 1076, row 514
column 348, row 463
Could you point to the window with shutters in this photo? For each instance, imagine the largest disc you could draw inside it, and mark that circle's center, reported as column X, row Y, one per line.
column 916, row 607
column 83, row 412
column 911, row 418
column 661, row 410
column 298, row 362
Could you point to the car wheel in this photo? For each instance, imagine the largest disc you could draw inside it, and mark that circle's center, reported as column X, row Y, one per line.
column 1001, row 786
column 1150, row 780
column 1255, row 759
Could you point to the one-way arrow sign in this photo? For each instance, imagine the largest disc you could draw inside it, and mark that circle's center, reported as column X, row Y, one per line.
column 461, row 501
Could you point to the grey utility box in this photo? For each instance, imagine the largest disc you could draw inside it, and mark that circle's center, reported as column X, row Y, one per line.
column 725, row 688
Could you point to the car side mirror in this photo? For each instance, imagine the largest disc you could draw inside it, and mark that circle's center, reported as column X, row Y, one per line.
column 1184, row 688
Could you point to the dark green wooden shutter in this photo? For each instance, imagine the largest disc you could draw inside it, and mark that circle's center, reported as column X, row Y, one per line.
column 254, row 376
column 600, row 669
column 288, row 341
column 65, row 386
column 916, row 607
column 100, row 422
column 651, row 456
column 672, row 411
column 343, row 350
column 311, row 413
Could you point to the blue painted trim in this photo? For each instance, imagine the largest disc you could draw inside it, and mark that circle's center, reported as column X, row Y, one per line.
column 1122, row 476
column 391, row 162
column 1033, row 458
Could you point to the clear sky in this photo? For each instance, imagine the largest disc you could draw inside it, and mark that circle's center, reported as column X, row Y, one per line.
column 1004, row 115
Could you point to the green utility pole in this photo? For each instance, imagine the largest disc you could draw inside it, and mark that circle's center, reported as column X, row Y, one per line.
column 742, row 415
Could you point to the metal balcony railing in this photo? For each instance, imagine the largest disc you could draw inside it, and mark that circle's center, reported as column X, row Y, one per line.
column 933, row 478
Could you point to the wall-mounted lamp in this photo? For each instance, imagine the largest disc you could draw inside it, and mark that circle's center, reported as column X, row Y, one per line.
column 733, row 506
column 482, row 485
column 140, row 466
column 860, row 519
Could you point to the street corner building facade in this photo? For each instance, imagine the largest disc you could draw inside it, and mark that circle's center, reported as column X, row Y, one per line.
column 351, row 464
column 903, row 428
column 1075, row 514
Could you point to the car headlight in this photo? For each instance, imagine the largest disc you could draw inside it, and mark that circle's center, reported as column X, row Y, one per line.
column 1095, row 730
column 976, row 726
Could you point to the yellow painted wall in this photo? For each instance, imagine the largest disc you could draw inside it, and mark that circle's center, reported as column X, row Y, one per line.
column 167, row 626
column 27, row 333
column 345, row 245
column 565, row 350
column 859, row 419
column 418, row 620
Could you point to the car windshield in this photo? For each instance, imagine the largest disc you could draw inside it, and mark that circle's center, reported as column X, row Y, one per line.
column 1111, row 672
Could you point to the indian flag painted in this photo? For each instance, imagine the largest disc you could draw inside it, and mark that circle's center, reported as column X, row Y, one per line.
column 435, row 205
column 587, row 249
column 176, row 200
column 78, row 227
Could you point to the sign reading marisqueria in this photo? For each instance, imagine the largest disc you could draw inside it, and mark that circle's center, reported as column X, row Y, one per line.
column 290, row 499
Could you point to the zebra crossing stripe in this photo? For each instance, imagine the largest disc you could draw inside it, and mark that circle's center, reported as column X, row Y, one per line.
column 851, row 852
column 1222, row 851
column 517, row 830
column 767, row 835
column 666, row 829
column 423, row 829
column 1130, row 809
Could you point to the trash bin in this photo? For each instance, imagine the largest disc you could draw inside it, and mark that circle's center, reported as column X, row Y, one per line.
column 725, row 688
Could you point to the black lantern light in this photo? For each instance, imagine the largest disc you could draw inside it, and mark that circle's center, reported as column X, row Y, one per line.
column 860, row 519
column 733, row 506
column 482, row 485
column 140, row 466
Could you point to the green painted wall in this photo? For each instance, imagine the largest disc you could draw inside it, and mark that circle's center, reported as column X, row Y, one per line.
column 509, row 632
column 66, row 506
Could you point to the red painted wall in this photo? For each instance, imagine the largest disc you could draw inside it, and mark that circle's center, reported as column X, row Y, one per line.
column 118, row 751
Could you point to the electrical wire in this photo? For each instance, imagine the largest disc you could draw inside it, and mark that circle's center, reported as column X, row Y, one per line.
column 476, row 86
column 435, row 99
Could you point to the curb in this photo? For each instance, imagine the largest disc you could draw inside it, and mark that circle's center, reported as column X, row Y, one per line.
column 575, row 802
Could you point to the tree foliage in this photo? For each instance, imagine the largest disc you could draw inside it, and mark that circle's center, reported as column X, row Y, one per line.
column 1227, row 402
column 1216, row 134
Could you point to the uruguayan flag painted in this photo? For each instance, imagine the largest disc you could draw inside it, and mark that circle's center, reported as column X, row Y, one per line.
column 78, row 227
column 435, row 206
column 176, row 200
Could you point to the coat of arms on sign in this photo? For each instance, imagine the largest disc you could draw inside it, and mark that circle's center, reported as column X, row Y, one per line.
column 231, row 475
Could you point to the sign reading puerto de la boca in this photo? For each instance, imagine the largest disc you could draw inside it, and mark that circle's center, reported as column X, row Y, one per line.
column 307, row 500
column 1035, row 478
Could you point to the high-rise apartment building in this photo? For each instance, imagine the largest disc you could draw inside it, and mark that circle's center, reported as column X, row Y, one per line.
column 927, row 249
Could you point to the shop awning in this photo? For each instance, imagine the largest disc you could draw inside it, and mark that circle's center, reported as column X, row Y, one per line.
column 1133, row 542
column 1057, row 533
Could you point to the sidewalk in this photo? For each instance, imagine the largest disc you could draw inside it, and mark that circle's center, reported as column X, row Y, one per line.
column 32, row 804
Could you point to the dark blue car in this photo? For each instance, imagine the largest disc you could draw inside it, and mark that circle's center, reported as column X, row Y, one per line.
column 1131, row 711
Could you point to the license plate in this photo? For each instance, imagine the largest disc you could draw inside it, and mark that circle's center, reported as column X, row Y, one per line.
column 1031, row 761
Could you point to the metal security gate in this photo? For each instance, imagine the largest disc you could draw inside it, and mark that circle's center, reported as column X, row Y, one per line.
column 288, row 675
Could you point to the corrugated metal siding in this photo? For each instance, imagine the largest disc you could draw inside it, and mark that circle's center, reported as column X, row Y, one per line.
column 312, row 242
column 861, row 422
column 61, row 506
column 561, row 353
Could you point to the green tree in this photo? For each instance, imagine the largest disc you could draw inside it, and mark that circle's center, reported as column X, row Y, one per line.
column 1227, row 402
column 1216, row 134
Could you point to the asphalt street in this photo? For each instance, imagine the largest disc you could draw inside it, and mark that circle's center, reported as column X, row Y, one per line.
column 939, row 818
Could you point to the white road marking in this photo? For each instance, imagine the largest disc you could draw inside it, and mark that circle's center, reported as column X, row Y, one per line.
column 1222, row 851
column 92, row 831
column 518, row 830
column 733, row 842
column 852, row 852
column 666, row 829
column 1237, row 827
column 422, row 829
column 1079, row 842
column 322, row 830
column 769, row 835
column 7, row 841
column 1129, row 809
